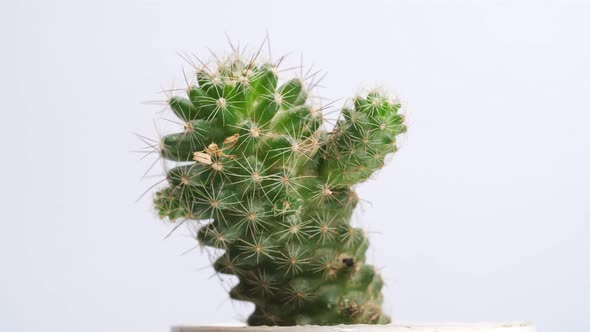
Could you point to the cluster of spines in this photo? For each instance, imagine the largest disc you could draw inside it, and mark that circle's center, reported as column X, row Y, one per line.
column 275, row 190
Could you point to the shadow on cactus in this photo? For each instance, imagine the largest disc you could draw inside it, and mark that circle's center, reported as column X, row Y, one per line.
column 273, row 189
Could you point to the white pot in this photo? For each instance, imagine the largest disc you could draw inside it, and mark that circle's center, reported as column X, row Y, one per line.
column 486, row 327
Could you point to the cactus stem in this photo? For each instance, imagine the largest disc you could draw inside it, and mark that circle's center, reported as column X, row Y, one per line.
column 274, row 188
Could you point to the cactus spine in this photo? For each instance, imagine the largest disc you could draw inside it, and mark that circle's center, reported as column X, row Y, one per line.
column 274, row 190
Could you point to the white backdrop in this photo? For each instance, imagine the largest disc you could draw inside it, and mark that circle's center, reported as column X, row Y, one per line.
column 483, row 215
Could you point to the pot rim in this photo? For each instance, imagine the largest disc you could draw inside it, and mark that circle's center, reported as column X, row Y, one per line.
column 394, row 327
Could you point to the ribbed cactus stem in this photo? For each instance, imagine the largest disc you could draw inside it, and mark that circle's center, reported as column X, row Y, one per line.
column 274, row 190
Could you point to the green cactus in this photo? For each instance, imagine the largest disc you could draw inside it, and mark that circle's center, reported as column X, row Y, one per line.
column 274, row 187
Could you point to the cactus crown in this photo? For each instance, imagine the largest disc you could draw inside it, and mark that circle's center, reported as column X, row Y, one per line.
column 273, row 190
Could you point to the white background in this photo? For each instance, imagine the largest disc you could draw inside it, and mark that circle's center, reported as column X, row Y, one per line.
column 483, row 215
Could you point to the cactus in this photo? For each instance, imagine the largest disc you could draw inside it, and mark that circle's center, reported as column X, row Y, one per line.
column 274, row 190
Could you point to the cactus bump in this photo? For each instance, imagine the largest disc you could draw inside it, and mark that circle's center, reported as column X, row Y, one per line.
column 274, row 190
